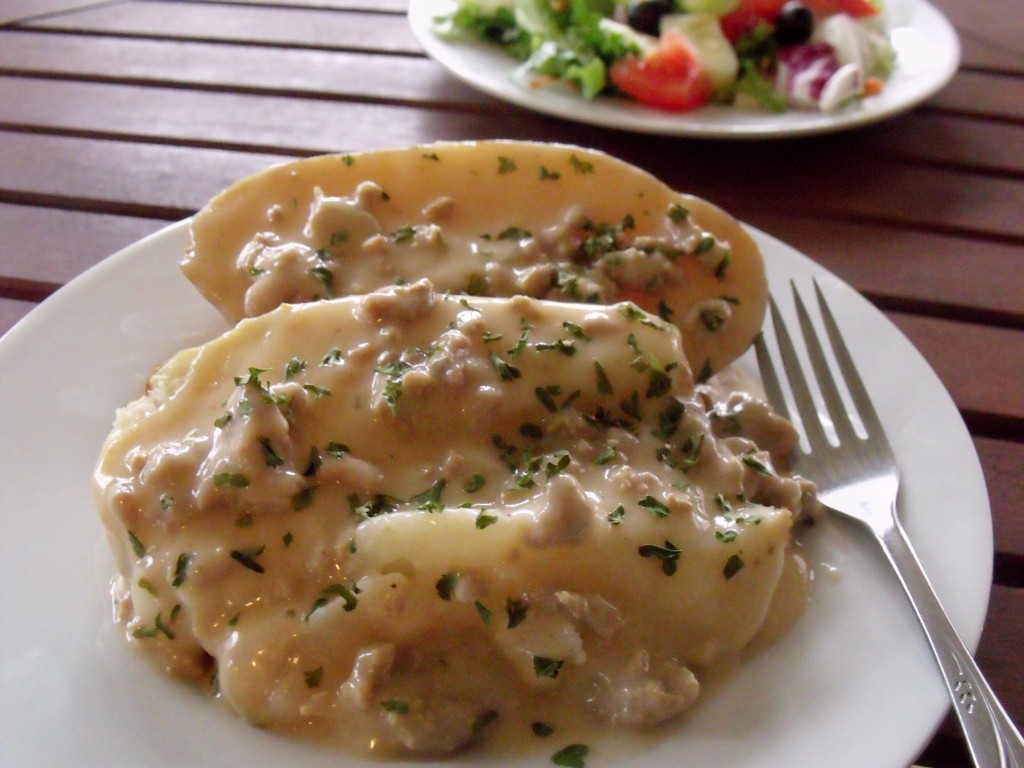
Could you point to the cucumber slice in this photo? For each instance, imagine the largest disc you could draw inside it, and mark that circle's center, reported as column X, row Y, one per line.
column 714, row 50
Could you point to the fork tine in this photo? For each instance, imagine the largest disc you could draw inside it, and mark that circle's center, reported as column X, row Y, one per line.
column 826, row 382
column 770, row 379
column 797, row 382
column 854, row 383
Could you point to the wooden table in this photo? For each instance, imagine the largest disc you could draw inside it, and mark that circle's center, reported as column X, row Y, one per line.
column 120, row 116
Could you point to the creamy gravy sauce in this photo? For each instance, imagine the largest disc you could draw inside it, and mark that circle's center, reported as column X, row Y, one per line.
column 408, row 522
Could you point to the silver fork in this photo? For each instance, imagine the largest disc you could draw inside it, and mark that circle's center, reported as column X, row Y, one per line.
column 859, row 479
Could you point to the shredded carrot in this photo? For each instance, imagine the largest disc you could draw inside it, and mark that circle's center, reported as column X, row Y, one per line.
column 873, row 86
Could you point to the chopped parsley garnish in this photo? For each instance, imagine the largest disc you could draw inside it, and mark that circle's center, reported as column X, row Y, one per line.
column 654, row 506
column 733, row 566
column 546, row 175
column 270, row 456
column 547, row 395
column 514, row 233
column 726, row 537
column 604, row 385
column 304, row 498
column 516, row 612
column 395, row 706
column 158, row 628
column 403, row 234
column 756, row 464
column 571, row 756
column 329, row 594
column 484, row 611
column 616, row 515
column 166, row 501
column 230, row 480
column 294, row 367
column 506, row 164
column 137, row 546
column 668, row 555
column 446, row 585
column 506, row 371
column 605, row 456
column 483, row 520
column 247, row 557
column 541, row 729
column 678, row 213
column 545, row 667
column 313, row 677
column 181, row 569
column 580, row 166
column 316, row 391
column 430, row 499
column 474, row 484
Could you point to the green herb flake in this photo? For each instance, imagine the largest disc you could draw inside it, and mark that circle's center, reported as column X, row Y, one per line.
column 403, row 234
column 616, row 515
column 571, row 756
column 181, row 569
column 733, row 566
column 580, row 166
column 726, row 537
column 137, row 546
column 230, row 480
column 270, row 456
column 546, row 175
column 605, row 456
column 678, row 213
column 147, row 585
column 446, row 585
column 395, row 706
column 506, row 164
column 166, row 501
column 654, row 506
column 668, row 555
column 316, row 391
column 484, row 520
column 474, row 484
column 484, row 611
column 604, row 385
column 505, row 370
column 514, row 233
column 287, row 539
column 223, row 420
column 314, row 676
column 247, row 557
column 294, row 367
column 541, row 729
column 755, row 464
column 516, row 611
column 545, row 667
column 303, row 499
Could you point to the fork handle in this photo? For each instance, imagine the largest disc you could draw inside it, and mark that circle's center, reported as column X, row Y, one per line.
column 992, row 739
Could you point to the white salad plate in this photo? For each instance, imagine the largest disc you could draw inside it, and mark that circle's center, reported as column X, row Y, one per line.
column 852, row 685
column 927, row 57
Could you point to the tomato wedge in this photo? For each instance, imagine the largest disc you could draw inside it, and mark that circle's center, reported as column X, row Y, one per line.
column 856, row 8
column 669, row 77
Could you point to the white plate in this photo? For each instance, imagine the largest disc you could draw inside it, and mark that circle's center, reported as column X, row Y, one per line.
column 852, row 685
column 928, row 54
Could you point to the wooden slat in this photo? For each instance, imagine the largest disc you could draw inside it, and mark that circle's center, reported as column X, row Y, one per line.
column 319, row 74
column 923, row 136
column 979, row 365
column 298, row 27
column 49, row 247
column 989, row 32
column 779, row 177
column 984, row 95
column 909, row 269
column 1001, row 461
column 149, row 180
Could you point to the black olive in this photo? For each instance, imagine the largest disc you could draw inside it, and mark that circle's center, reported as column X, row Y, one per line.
column 794, row 24
column 645, row 15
